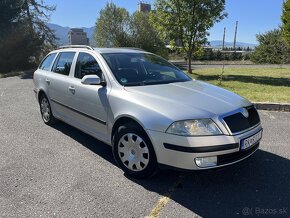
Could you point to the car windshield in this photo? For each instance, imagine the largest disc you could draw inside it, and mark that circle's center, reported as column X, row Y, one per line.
column 139, row 69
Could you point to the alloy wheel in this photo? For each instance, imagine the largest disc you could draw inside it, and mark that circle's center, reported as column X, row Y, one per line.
column 45, row 109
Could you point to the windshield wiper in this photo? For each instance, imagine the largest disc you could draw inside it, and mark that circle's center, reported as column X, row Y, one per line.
column 161, row 82
column 156, row 82
column 143, row 83
column 134, row 84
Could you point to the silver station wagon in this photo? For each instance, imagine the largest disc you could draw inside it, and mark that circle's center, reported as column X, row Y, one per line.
column 151, row 113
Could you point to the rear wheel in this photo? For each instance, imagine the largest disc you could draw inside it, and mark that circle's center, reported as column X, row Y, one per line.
column 134, row 152
column 45, row 110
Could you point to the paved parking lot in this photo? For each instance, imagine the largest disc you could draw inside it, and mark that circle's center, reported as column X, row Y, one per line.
column 62, row 172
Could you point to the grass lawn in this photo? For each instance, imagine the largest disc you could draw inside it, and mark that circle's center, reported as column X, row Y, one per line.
column 256, row 84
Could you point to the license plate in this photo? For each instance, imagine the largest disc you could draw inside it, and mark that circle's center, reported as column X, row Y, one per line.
column 252, row 140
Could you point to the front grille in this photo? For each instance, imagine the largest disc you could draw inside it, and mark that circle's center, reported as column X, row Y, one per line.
column 238, row 122
column 232, row 157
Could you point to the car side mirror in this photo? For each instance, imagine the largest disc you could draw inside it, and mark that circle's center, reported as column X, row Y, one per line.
column 91, row 80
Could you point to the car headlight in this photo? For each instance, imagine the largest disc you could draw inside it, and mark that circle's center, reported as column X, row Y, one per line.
column 199, row 127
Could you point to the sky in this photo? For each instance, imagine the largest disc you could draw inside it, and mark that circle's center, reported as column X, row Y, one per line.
column 254, row 16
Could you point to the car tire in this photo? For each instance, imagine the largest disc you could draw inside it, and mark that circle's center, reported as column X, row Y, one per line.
column 45, row 110
column 133, row 151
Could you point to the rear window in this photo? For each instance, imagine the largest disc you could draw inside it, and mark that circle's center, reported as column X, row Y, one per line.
column 47, row 62
column 63, row 63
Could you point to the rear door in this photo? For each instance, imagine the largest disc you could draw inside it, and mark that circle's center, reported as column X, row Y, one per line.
column 89, row 103
column 58, row 83
column 42, row 76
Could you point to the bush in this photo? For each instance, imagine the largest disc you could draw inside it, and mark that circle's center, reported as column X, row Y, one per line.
column 211, row 55
column 17, row 50
column 272, row 49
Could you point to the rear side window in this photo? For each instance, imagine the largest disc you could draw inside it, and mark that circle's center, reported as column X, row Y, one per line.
column 46, row 63
column 87, row 65
column 63, row 63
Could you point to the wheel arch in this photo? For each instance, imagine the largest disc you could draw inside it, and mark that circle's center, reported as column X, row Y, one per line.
column 146, row 137
column 122, row 120
column 129, row 119
column 41, row 92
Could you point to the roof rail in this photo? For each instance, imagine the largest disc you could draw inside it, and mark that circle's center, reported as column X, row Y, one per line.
column 75, row 46
column 133, row 48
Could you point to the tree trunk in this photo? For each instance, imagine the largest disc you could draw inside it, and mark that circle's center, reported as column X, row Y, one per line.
column 28, row 14
column 189, row 56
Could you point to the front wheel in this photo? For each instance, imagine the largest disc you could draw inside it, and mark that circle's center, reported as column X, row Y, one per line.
column 134, row 152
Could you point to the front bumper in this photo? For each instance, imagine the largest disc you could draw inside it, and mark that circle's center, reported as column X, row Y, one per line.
column 181, row 152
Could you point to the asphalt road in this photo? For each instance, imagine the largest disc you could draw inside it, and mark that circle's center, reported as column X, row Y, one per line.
column 62, row 172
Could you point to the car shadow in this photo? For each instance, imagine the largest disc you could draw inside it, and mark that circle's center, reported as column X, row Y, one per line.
column 260, row 182
column 103, row 150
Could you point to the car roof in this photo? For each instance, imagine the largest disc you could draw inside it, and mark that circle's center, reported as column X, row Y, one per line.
column 119, row 50
column 100, row 50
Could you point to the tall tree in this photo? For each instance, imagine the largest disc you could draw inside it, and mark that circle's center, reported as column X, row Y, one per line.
column 286, row 21
column 113, row 27
column 12, row 36
column 36, row 14
column 145, row 35
column 9, row 14
column 272, row 48
column 186, row 22
column 24, row 35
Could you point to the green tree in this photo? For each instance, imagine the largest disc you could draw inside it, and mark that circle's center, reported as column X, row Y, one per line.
column 16, row 51
column 11, row 36
column 113, row 27
column 145, row 36
column 9, row 14
column 186, row 22
column 272, row 48
column 24, row 36
column 36, row 14
column 286, row 21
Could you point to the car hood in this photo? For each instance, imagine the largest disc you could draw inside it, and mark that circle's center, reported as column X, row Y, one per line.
column 187, row 100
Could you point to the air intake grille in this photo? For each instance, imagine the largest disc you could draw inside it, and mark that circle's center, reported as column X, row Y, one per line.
column 232, row 157
column 238, row 122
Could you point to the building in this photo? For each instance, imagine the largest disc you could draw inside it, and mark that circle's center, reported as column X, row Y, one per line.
column 144, row 7
column 77, row 36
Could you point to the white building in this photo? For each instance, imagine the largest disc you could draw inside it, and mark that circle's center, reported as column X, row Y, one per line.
column 77, row 36
column 144, row 7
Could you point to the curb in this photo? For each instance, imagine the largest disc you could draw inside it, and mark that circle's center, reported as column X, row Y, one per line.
column 272, row 106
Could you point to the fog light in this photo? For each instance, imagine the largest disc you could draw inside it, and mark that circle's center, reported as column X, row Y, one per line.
column 204, row 162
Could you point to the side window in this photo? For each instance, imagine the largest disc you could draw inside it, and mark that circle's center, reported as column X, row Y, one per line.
column 63, row 63
column 46, row 63
column 87, row 65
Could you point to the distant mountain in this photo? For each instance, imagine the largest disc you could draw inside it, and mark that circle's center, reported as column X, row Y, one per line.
column 62, row 32
column 219, row 44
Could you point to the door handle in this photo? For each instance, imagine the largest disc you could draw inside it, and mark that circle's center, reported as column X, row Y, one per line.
column 47, row 81
column 72, row 89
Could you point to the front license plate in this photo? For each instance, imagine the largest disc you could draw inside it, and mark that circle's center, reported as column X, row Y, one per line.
column 252, row 140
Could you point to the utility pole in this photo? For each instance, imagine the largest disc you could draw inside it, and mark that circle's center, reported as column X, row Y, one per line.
column 235, row 39
column 224, row 38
